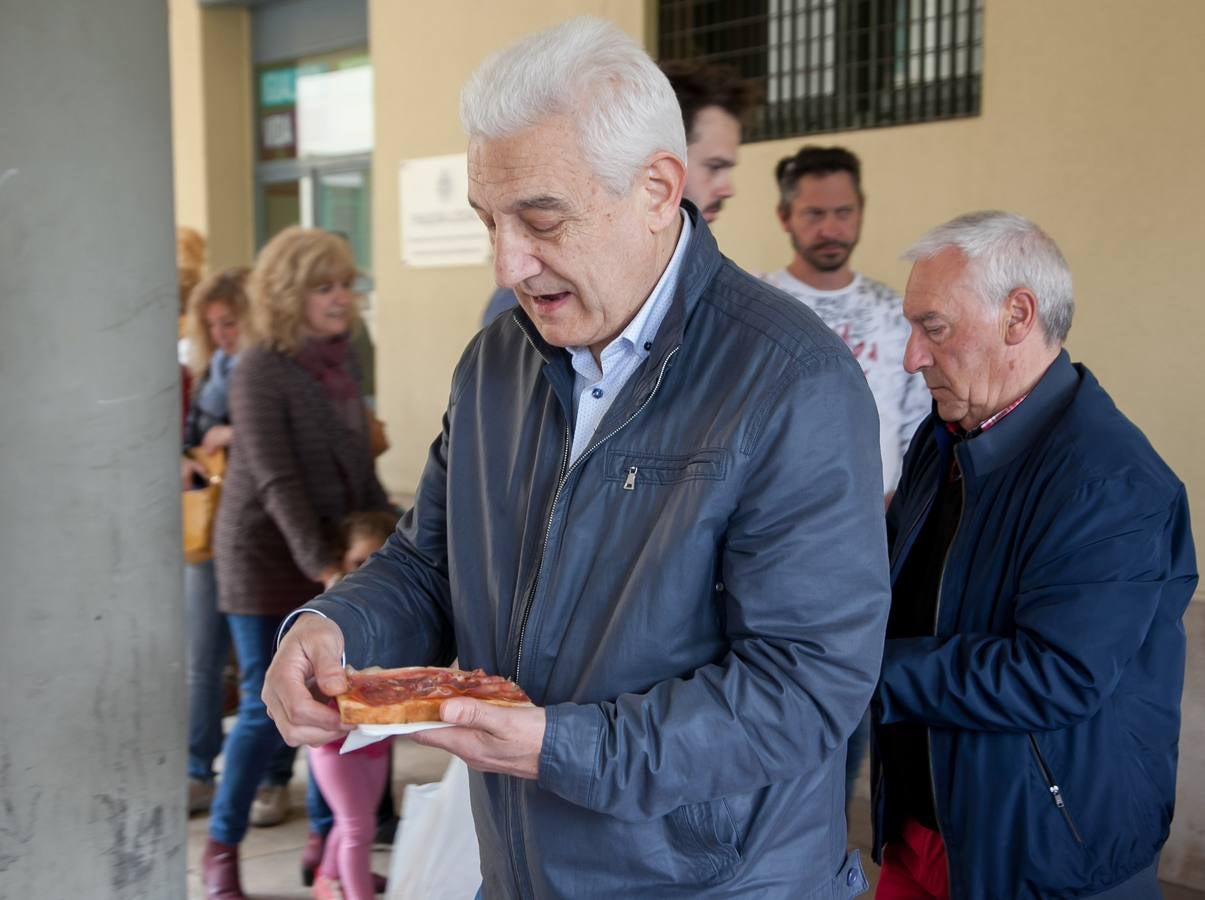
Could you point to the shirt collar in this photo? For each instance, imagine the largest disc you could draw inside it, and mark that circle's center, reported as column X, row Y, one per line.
column 1026, row 423
column 639, row 333
column 955, row 429
column 993, row 419
column 806, row 288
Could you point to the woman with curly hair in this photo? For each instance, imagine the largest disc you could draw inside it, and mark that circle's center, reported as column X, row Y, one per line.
column 216, row 321
column 302, row 462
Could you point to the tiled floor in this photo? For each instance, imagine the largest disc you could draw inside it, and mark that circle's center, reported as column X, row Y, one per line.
column 271, row 856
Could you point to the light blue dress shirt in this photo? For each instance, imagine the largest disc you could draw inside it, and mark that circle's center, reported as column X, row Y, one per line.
column 595, row 386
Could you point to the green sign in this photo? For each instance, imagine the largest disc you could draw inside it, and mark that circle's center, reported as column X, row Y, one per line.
column 278, row 87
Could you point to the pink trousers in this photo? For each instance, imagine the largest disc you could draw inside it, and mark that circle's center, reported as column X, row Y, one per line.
column 351, row 785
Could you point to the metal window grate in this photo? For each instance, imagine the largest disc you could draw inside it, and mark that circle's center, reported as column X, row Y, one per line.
column 836, row 65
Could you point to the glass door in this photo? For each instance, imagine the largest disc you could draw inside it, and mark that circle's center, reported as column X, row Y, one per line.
column 342, row 205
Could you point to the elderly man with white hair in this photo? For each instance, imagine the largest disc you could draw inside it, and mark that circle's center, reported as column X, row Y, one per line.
column 1027, row 719
column 655, row 504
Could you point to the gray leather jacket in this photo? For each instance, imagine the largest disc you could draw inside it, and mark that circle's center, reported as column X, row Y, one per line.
column 698, row 601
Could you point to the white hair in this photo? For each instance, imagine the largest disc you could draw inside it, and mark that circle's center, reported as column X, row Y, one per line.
column 1004, row 252
column 590, row 70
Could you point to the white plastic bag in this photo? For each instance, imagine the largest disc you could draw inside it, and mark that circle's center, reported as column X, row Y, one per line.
column 435, row 854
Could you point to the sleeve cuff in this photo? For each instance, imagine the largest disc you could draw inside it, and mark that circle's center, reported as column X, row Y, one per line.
column 570, row 752
column 292, row 617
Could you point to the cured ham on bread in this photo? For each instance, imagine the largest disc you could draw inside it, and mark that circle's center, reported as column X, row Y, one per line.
column 414, row 694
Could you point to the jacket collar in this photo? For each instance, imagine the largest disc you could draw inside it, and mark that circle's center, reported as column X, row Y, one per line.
column 699, row 266
column 1021, row 428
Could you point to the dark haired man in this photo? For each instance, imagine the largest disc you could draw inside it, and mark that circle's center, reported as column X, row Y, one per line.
column 713, row 101
column 820, row 207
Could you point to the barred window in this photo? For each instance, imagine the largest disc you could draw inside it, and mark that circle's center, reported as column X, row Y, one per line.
column 836, row 65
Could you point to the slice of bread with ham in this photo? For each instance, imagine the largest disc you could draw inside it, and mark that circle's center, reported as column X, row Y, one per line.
column 415, row 693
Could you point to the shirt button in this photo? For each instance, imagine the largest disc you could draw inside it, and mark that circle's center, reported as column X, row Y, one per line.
column 851, row 877
column 596, row 393
column 648, row 345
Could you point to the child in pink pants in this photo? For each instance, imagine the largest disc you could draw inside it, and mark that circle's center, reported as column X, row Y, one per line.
column 352, row 786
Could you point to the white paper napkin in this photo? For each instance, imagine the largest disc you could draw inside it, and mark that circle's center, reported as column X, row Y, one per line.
column 363, row 735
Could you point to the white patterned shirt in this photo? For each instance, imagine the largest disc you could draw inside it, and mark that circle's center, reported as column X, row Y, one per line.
column 595, row 387
column 868, row 316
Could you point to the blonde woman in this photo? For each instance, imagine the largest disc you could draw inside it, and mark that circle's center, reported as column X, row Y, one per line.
column 301, row 464
column 216, row 321
column 190, row 264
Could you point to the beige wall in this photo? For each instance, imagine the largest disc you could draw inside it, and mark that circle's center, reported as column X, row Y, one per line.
column 212, row 95
column 188, row 144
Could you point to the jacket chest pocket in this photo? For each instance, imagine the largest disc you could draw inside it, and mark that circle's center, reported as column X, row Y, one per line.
column 633, row 468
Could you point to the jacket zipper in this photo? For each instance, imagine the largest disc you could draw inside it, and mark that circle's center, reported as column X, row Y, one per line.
column 511, row 794
column 1055, row 793
column 906, row 536
column 941, row 582
column 907, row 533
column 910, row 529
column 565, row 473
column 562, row 475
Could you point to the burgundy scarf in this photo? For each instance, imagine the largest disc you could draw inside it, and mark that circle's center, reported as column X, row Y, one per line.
column 326, row 359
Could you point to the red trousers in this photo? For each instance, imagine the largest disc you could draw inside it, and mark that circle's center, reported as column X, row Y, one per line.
column 914, row 868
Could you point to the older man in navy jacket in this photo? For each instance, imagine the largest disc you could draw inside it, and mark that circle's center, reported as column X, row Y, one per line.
column 1027, row 718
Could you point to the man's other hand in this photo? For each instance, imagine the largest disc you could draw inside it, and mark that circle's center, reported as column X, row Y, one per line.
column 305, row 673
column 500, row 739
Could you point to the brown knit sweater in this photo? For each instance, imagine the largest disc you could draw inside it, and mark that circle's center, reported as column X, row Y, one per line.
column 294, row 472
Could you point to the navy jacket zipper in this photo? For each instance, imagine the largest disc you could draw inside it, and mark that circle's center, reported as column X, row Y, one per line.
column 1056, row 793
column 941, row 583
column 908, row 535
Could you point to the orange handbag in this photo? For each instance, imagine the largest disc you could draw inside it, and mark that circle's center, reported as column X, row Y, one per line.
column 200, row 507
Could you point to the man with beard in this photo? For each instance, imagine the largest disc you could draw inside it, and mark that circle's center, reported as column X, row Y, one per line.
column 820, row 207
column 713, row 100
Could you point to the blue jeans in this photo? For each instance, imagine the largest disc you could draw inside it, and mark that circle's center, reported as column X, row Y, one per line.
column 320, row 815
column 254, row 738
column 855, row 752
column 280, row 766
column 207, row 649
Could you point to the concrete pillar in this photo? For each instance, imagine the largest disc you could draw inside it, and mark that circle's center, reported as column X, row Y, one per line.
column 92, row 724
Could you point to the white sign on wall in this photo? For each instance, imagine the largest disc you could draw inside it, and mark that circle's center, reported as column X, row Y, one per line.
column 438, row 226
